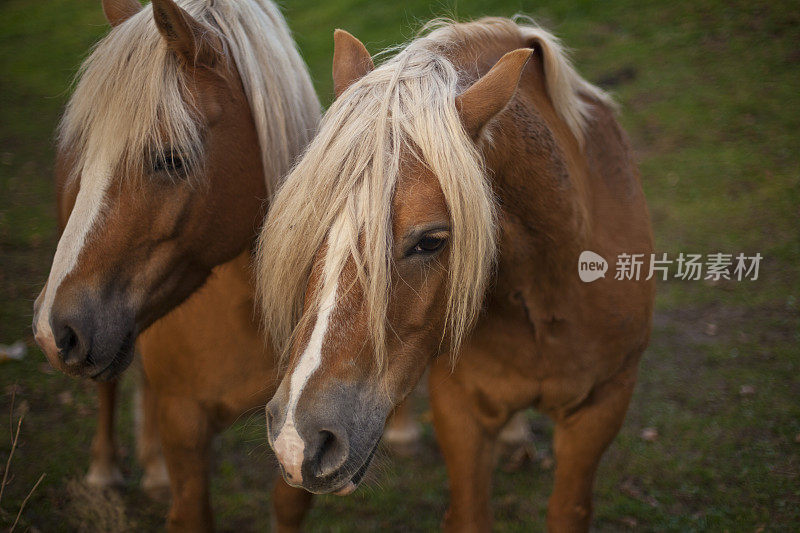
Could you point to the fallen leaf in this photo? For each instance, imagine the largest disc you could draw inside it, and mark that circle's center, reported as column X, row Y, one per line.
column 630, row 488
column 14, row 352
column 65, row 398
column 649, row 434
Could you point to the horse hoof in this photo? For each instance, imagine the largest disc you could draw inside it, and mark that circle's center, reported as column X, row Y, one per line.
column 155, row 480
column 104, row 476
column 517, row 432
column 403, row 441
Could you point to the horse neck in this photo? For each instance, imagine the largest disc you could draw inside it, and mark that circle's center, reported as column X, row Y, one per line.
column 237, row 278
column 538, row 174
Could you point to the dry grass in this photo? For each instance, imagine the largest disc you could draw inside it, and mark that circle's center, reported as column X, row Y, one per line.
column 97, row 510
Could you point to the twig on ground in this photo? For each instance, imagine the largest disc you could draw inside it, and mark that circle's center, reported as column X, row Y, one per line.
column 5, row 480
column 21, row 507
column 11, row 409
column 10, row 456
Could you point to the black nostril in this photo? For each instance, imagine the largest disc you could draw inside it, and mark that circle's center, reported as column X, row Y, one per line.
column 327, row 441
column 67, row 340
column 68, row 344
column 332, row 453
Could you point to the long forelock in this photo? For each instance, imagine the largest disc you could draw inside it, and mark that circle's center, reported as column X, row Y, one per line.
column 405, row 107
column 131, row 100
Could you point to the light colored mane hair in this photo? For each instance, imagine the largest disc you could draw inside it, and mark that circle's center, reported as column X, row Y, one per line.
column 130, row 104
column 346, row 179
column 569, row 92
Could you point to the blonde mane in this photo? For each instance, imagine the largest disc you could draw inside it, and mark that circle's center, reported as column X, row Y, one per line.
column 344, row 183
column 570, row 94
column 129, row 102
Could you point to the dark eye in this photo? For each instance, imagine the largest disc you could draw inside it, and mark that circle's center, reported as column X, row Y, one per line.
column 428, row 245
column 170, row 162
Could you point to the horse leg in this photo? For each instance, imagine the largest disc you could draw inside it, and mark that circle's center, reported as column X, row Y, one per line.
column 103, row 469
column 148, row 441
column 186, row 441
column 467, row 445
column 289, row 507
column 402, row 432
column 581, row 437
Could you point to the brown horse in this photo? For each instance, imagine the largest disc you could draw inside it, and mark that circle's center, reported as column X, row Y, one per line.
column 182, row 122
column 441, row 209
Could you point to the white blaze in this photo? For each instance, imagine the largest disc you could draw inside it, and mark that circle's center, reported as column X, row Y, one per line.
column 88, row 204
column 289, row 445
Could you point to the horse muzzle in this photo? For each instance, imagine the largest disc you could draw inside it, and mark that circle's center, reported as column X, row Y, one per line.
column 326, row 447
column 86, row 336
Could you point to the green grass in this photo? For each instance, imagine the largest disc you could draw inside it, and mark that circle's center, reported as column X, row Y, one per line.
column 710, row 96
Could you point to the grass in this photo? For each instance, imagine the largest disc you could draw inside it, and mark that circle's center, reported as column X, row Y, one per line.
column 710, row 98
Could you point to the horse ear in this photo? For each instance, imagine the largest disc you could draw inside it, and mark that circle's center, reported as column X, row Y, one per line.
column 491, row 93
column 118, row 11
column 351, row 61
column 192, row 40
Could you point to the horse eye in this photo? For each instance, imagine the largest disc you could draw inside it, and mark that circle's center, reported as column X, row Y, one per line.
column 427, row 245
column 170, row 162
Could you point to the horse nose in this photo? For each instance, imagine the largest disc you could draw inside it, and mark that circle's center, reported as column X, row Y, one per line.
column 87, row 332
column 71, row 335
column 308, row 450
column 329, row 451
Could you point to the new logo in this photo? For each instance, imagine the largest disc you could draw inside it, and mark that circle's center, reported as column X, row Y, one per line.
column 591, row 266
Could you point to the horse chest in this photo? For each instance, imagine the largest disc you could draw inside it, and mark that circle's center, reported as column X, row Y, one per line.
column 210, row 349
column 551, row 362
